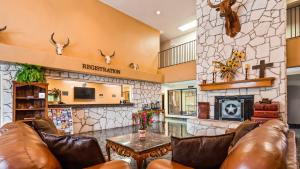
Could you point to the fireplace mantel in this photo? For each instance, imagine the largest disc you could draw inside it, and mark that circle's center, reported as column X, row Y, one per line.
column 252, row 83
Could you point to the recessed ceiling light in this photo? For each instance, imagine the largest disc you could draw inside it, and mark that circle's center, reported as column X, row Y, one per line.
column 188, row 26
column 157, row 12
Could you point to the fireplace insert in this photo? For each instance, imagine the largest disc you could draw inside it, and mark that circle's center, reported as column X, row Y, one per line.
column 236, row 108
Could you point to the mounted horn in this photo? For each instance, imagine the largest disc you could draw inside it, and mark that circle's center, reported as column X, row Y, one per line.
column 232, row 2
column 113, row 54
column 212, row 5
column 101, row 53
column 52, row 39
column 232, row 23
column 107, row 57
column 67, row 44
column 59, row 47
column 2, row 29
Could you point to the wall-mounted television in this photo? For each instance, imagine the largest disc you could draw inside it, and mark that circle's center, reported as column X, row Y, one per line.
column 84, row 93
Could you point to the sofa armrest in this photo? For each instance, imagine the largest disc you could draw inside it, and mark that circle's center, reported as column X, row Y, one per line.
column 230, row 130
column 115, row 164
column 291, row 156
column 166, row 164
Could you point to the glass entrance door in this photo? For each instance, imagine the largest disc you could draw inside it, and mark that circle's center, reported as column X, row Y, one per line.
column 174, row 102
column 189, row 102
column 182, row 102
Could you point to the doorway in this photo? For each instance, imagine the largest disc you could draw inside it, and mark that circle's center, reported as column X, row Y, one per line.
column 182, row 102
column 293, row 93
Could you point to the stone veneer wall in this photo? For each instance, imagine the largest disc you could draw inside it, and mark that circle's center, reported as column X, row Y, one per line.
column 8, row 72
column 91, row 119
column 262, row 36
column 88, row 119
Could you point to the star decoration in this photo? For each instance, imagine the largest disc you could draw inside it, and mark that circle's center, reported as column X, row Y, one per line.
column 231, row 109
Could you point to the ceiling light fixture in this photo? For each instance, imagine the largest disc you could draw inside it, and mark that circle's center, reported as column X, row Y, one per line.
column 188, row 26
column 157, row 12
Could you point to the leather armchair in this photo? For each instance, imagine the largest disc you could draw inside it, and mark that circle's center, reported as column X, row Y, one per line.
column 22, row 148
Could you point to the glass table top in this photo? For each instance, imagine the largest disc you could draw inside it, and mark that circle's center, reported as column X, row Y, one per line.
column 133, row 142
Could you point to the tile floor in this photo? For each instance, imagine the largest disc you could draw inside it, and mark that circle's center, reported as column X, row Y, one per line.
column 173, row 127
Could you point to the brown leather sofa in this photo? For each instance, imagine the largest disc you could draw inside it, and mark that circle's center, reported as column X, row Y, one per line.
column 270, row 146
column 22, row 148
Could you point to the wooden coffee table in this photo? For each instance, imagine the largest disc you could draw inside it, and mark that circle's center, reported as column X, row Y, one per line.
column 155, row 145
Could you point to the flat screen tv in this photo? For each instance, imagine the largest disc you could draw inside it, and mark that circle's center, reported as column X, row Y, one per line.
column 84, row 93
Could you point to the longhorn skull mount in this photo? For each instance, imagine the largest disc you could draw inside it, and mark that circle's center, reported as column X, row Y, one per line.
column 134, row 66
column 2, row 29
column 232, row 23
column 59, row 46
column 107, row 58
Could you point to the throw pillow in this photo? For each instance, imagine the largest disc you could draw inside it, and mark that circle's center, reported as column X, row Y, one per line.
column 44, row 125
column 242, row 130
column 74, row 152
column 201, row 152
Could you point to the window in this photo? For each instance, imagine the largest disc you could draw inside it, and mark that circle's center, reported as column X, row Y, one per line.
column 182, row 102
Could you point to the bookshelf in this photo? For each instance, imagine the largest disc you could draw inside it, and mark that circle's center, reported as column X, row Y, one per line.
column 30, row 100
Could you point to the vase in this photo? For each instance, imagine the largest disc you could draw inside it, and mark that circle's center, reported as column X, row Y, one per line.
column 229, row 78
column 142, row 134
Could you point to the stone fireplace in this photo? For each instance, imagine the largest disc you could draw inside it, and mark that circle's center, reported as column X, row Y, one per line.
column 262, row 37
column 234, row 108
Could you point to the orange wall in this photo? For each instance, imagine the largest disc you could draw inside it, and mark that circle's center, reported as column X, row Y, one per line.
column 180, row 72
column 90, row 25
column 106, row 89
column 293, row 52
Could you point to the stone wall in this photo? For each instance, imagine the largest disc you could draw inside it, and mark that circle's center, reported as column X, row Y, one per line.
column 88, row 119
column 91, row 119
column 8, row 72
column 262, row 36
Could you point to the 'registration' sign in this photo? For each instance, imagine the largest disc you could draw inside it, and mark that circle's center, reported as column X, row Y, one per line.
column 100, row 69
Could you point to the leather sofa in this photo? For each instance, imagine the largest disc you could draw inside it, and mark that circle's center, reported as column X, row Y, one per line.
column 270, row 146
column 22, row 148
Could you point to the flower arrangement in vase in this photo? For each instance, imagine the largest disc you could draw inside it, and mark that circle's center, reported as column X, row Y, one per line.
column 145, row 120
column 229, row 69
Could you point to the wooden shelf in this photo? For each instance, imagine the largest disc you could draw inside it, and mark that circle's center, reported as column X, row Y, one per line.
column 253, row 83
column 33, row 109
column 28, row 98
column 26, row 95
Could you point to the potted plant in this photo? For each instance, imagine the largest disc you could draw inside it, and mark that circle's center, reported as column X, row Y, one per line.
column 30, row 73
column 55, row 95
column 145, row 121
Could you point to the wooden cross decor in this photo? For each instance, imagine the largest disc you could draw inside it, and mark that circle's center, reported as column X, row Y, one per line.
column 262, row 68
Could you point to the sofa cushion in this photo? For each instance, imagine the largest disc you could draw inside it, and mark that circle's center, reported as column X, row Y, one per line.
column 166, row 164
column 264, row 147
column 22, row 148
column 202, row 152
column 116, row 164
column 74, row 152
column 45, row 125
column 242, row 130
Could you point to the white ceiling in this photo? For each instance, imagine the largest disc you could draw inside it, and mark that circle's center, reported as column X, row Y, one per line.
column 174, row 13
